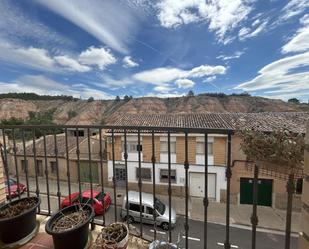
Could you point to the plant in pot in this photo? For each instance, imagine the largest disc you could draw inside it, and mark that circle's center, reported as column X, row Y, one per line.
column 69, row 227
column 18, row 219
column 113, row 236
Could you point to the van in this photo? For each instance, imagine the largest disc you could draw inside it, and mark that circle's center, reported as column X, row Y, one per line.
column 161, row 210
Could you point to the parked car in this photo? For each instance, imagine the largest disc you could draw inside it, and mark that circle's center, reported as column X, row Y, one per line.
column 100, row 201
column 148, row 208
column 14, row 188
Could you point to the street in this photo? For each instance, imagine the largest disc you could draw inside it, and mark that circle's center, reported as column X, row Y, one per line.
column 239, row 237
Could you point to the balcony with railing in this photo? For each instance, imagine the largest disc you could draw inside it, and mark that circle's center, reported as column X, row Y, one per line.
column 53, row 162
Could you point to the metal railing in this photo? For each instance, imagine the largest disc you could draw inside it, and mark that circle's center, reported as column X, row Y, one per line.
column 12, row 131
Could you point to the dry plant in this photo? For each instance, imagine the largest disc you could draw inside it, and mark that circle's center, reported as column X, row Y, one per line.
column 13, row 210
column 281, row 148
column 110, row 236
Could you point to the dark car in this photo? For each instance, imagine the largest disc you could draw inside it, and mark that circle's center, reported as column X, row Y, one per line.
column 100, row 201
column 14, row 188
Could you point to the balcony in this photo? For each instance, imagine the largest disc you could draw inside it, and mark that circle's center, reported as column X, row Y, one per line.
column 59, row 164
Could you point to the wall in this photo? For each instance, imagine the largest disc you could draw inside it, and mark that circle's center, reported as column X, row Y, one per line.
column 240, row 170
column 303, row 242
column 178, row 186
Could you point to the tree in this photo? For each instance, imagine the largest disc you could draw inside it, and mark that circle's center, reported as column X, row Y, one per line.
column 190, row 93
column 72, row 114
column 91, row 99
column 127, row 98
column 280, row 151
column 117, row 98
column 294, row 100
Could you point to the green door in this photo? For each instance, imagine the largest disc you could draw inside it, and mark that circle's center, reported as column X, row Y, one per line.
column 85, row 172
column 264, row 191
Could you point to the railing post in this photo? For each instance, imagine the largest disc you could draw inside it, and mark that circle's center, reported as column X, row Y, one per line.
column 2, row 185
column 227, row 244
column 254, row 217
column 290, row 190
column 303, row 242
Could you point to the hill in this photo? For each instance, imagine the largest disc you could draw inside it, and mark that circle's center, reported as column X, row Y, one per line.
column 66, row 111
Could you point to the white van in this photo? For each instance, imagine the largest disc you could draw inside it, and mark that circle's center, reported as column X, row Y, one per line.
column 161, row 210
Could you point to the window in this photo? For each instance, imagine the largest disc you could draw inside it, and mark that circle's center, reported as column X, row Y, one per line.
column 136, row 207
column 79, row 133
column 164, row 147
column 299, row 186
column 53, row 167
column 24, row 164
column 149, row 210
column 200, row 148
column 164, row 175
column 145, row 174
column 132, row 147
column 39, row 167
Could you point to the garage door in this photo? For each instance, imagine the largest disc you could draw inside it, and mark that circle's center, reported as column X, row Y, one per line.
column 197, row 185
column 264, row 191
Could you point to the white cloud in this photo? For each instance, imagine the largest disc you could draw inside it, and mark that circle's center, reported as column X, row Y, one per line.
column 205, row 70
column 36, row 58
column 256, row 22
column 71, row 64
column 221, row 15
column 210, row 79
column 40, row 59
column 236, row 55
column 111, row 22
column 159, row 76
column 245, row 33
column 300, row 41
column 42, row 85
column 163, row 89
column 129, row 62
column 97, row 56
column 281, row 77
column 184, row 83
column 294, row 8
column 17, row 25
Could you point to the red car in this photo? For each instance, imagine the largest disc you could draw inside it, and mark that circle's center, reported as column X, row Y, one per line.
column 100, row 202
column 14, row 188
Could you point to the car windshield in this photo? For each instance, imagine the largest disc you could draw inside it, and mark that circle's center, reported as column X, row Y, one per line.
column 159, row 206
column 100, row 196
column 11, row 182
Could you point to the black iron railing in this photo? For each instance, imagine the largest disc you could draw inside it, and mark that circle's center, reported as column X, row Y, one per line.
column 11, row 131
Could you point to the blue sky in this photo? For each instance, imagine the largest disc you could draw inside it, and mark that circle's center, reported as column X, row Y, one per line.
column 155, row 48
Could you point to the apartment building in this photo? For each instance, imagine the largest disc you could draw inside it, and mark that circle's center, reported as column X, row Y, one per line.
column 66, row 158
column 217, row 158
column 271, row 186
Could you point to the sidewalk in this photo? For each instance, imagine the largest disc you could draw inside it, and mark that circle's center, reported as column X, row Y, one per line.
column 269, row 218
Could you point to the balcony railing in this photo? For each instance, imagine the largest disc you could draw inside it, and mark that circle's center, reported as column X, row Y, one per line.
column 16, row 138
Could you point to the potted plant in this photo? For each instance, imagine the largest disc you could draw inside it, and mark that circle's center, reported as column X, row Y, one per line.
column 18, row 219
column 114, row 236
column 70, row 226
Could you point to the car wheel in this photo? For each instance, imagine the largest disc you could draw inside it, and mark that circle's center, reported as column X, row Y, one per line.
column 129, row 219
column 165, row 226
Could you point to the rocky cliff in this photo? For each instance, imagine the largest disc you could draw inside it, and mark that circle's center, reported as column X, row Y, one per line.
column 97, row 112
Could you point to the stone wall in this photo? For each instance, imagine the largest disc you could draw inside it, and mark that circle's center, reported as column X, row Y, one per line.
column 304, row 237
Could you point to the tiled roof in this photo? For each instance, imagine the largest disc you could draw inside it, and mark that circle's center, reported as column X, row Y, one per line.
column 265, row 121
column 50, row 146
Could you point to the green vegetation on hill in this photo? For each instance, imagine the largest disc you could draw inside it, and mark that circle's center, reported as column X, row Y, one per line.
column 39, row 118
column 34, row 96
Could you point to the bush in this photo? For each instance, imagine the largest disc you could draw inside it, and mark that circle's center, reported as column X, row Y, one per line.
column 91, row 99
column 72, row 114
